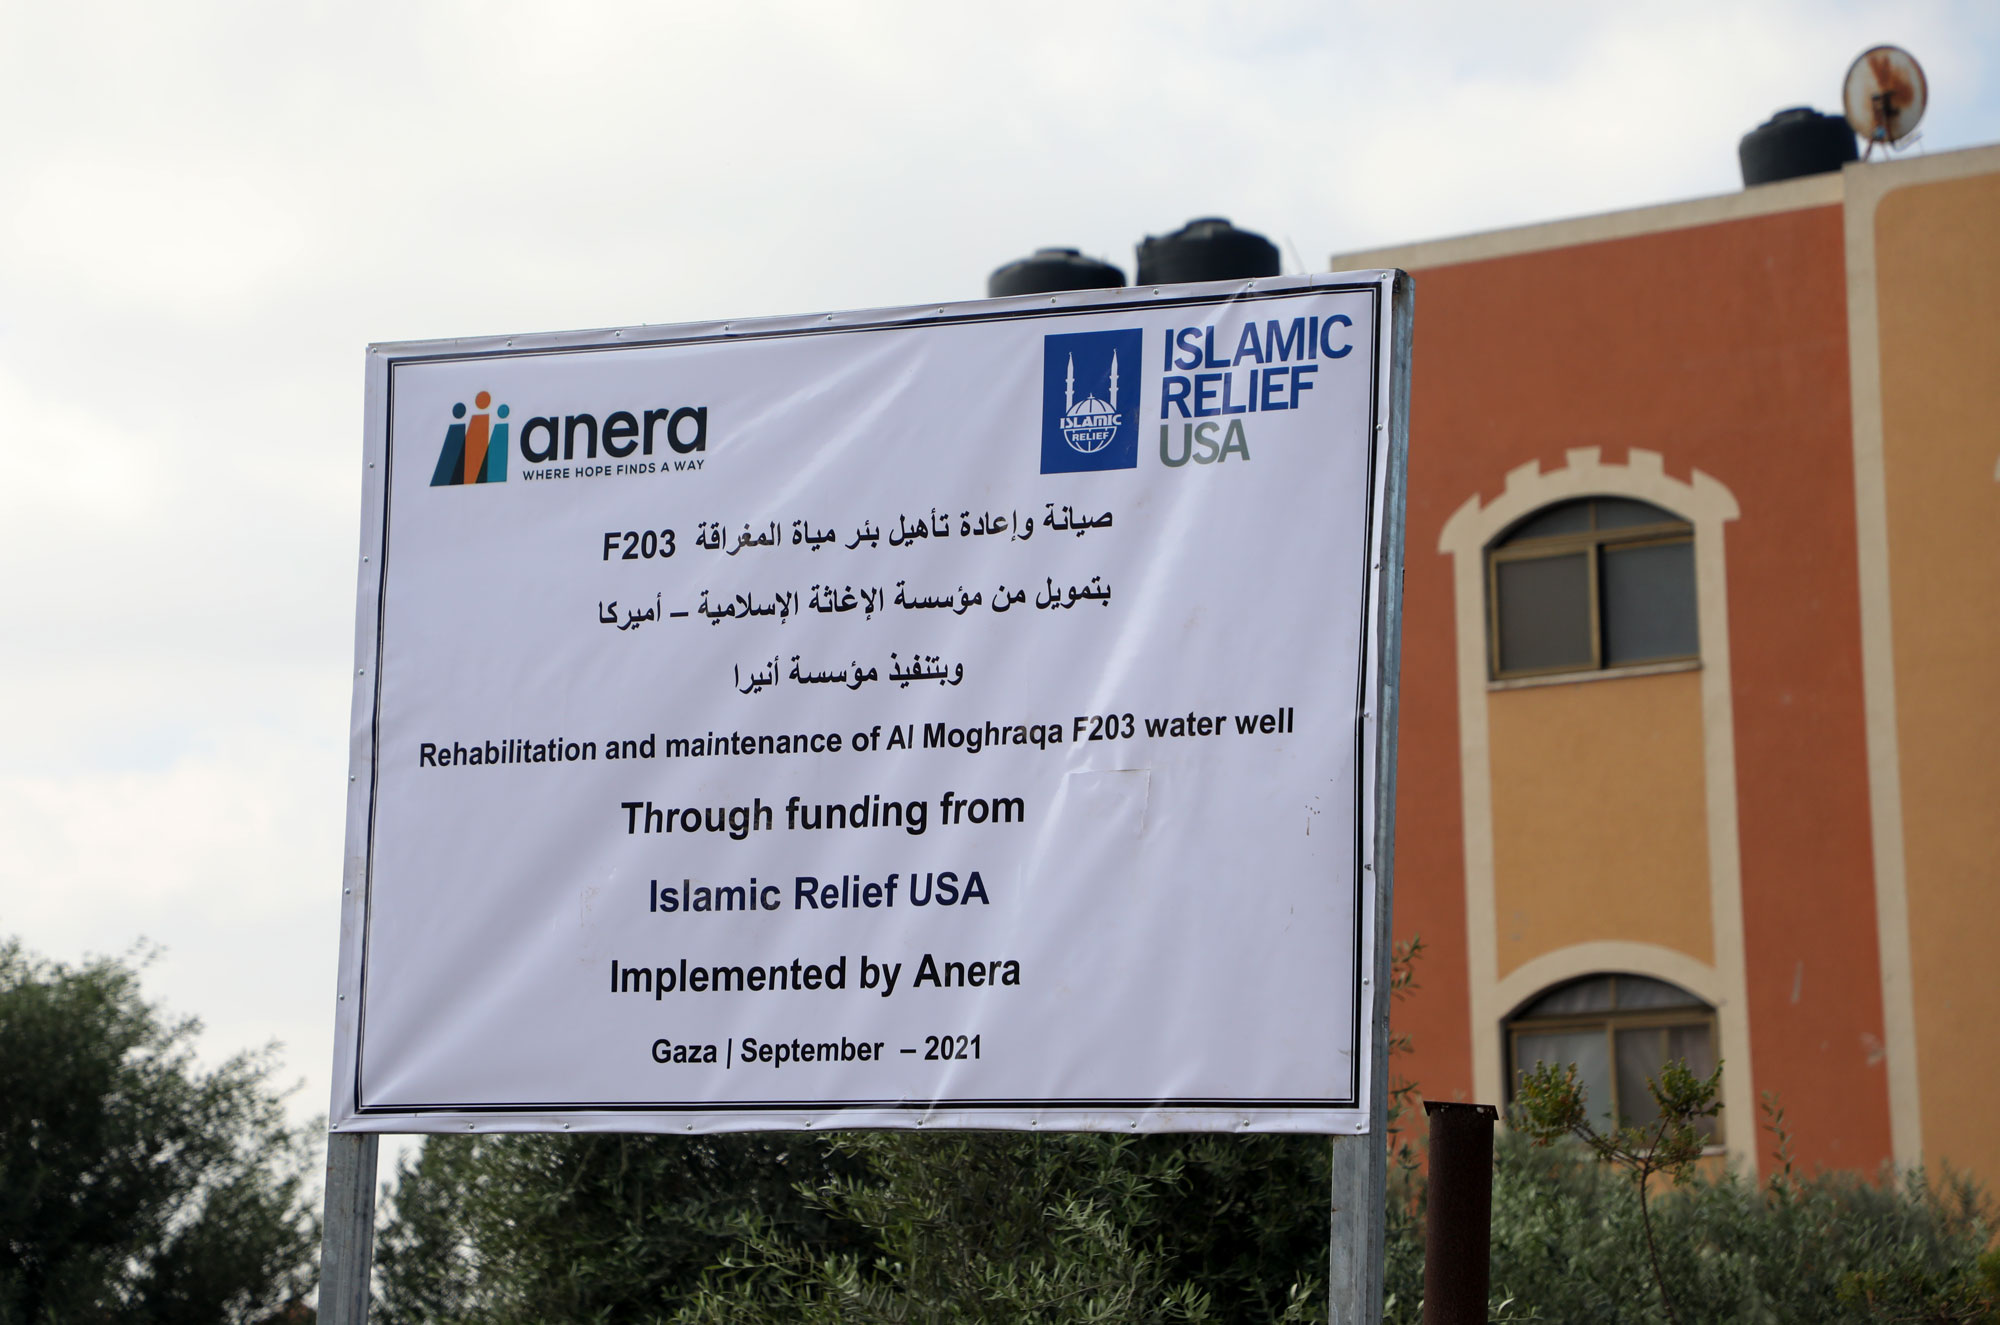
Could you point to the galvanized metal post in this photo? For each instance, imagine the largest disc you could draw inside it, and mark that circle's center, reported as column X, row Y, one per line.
column 1354, row 1283
column 1458, row 1213
column 347, row 1241
column 1361, row 1163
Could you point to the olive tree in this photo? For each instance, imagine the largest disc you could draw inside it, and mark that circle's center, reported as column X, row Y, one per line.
column 134, row 1185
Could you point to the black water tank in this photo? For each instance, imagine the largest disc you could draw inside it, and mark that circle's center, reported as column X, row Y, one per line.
column 1208, row 249
column 1792, row 143
column 1050, row 269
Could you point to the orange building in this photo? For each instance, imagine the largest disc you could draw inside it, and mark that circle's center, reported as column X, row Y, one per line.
column 1700, row 745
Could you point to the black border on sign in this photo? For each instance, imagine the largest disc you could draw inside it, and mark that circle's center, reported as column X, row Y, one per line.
column 1365, row 677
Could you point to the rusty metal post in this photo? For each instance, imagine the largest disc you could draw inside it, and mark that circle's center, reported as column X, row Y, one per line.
column 1458, row 1217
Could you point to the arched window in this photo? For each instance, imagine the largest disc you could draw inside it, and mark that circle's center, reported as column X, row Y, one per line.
column 1619, row 1030
column 1585, row 585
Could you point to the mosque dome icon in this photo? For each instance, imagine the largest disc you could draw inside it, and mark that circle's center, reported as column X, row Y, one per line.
column 1089, row 424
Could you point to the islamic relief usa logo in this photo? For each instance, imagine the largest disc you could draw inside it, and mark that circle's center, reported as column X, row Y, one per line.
column 1090, row 398
column 475, row 450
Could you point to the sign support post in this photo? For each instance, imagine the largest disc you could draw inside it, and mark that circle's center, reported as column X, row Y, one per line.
column 347, row 1247
column 1361, row 1162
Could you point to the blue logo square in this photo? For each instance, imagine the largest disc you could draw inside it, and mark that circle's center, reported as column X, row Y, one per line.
column 1090, row 401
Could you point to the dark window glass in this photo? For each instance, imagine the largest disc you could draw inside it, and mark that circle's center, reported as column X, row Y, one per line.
column 1580, row 996
column 1649, row 602
column 1596, row 582
column 1570, row 517
column 1636, row 993
column 1544, row 611
column 1623, row 513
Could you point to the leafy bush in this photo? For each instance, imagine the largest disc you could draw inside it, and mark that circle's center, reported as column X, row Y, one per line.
column 991, row 1227
column 857, row 1227
column 1569, row 1245
column 518, row 1229
column 134, row 1186
column 974, row 1227
column 1721, row 1248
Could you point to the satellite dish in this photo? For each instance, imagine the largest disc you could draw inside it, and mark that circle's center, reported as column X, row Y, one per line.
column 1885, row 95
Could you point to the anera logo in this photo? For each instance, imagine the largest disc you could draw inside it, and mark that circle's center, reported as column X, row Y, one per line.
column 474, row 452
column 1084, row 424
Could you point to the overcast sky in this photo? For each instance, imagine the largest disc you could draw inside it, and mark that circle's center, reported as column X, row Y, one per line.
column 208, row 210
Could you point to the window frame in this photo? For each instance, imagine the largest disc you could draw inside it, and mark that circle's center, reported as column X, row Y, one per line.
column 1611, row 1021
column 1592, row 543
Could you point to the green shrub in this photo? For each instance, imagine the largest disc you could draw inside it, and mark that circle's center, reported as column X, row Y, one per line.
column 1568, row 1244
column 136, row 1185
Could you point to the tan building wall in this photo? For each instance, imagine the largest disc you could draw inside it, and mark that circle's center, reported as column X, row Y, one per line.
column 1804, row 827
column 1933, row 233
column 1600, row 817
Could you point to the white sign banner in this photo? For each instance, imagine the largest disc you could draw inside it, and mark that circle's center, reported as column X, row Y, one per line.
column 946, row 717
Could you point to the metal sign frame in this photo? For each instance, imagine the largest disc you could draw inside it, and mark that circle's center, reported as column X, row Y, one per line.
column 1360, row 1160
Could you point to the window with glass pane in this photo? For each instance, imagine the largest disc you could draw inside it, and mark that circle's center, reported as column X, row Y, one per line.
column 1591, row 584
column 1544, row 610
column 1619, row 1031
column 1648, row 602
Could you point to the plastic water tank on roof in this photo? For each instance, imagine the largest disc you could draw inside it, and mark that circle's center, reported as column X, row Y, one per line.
column 1206, row 249
column 1050, row 269
column 1792, row 143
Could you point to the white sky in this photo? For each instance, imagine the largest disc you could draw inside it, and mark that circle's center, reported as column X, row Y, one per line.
column 208, row 210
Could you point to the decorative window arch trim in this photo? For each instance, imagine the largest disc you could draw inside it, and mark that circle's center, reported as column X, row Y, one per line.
column 1609, row 957
column 1707, row 505
column 1704, row 503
